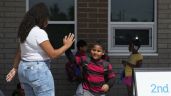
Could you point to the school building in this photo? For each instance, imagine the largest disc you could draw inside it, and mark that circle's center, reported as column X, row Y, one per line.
column 112, row 22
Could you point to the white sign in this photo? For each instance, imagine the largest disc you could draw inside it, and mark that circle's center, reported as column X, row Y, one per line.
column 152, row 82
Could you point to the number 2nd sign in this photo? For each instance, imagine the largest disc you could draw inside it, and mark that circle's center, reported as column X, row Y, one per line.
column 159, row 88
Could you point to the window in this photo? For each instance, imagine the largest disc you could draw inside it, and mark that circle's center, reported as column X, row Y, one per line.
column 128, row 19
column 62, row 19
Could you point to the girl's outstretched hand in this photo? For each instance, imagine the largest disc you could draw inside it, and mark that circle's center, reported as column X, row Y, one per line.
column 68, row 40
column 11, row 74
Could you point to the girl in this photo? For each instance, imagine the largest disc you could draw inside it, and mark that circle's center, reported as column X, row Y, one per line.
column 95, row 83
column 33, row 55
column 134, row 61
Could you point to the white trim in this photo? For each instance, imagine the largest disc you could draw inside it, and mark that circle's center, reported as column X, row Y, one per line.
column 132, row 25
column 155, row 25
column 127, row 54
column 27, row 5
column 75, row 18
column 61, row 22
column 109, row 25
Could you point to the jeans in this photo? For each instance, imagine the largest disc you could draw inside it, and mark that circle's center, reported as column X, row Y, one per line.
column 1, row 93
column 82, row 92
column 36, row 78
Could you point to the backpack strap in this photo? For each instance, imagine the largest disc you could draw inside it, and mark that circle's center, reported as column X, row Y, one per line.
column 85, row 62
column 84, row 66
column 70, row 56
column 105, row 65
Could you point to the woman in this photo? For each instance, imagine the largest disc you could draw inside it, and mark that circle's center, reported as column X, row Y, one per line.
column 33, row 55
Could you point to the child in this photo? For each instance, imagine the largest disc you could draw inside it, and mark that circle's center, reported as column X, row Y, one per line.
column 95, row 83
column 134, row 61
column 80, row 56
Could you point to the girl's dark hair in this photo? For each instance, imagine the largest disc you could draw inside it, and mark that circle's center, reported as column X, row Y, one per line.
column 99, row 44
column 37, row 15
column 136, row 42
column 81, row 43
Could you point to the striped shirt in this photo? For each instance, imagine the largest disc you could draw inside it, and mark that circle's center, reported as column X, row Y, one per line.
column 95, row 76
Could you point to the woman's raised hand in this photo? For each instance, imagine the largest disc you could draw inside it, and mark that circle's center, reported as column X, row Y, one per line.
column 68, row 40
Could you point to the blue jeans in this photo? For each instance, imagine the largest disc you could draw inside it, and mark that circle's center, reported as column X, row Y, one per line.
column 36, row 78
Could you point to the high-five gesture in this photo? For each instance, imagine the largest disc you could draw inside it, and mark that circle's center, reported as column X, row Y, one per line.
column 68, row 40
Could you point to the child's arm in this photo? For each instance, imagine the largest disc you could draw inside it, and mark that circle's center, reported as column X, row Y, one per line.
column 111, row 79
column 138, row 64
column 70, row 56
column 131, row 65
column 108, row 85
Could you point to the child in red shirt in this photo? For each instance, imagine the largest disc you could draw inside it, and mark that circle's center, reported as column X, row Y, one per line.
column 95, row 83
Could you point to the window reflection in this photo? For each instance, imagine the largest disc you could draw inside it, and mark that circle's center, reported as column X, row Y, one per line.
column 60, row 10
column 132, row 10
column 123, row 36
column 56, row 33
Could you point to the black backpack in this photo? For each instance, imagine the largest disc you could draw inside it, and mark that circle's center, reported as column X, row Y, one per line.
column 73, row 71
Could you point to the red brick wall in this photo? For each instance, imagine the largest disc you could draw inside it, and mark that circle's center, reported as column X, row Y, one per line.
column 92, row 20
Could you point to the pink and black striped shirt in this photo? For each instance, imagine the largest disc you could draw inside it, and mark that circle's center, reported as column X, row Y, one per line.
column 95, row 76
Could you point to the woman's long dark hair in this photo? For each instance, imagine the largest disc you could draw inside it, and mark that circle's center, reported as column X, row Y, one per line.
column 37, row 15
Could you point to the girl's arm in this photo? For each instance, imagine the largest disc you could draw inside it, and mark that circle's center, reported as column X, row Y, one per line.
column 138, row 64
column 17, row 59
column 13, row 71
column 55, row 53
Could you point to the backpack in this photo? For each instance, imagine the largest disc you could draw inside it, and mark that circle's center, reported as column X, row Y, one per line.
column 73, row 71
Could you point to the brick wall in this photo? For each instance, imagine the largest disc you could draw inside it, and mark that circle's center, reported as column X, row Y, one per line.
column 164, row 33
column 92, row 20
column 11, row 12
column 92, row 24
